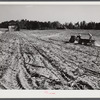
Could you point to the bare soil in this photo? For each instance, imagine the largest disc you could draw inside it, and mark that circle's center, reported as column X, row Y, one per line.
column 43, row 60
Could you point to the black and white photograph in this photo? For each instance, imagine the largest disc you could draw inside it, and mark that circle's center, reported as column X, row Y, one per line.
column 49, row 47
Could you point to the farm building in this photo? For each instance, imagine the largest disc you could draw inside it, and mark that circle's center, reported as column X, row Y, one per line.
column 13, row 27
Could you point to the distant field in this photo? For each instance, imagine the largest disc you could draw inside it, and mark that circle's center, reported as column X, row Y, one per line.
column 61, row 34
column 65, row 34
column 3, row 29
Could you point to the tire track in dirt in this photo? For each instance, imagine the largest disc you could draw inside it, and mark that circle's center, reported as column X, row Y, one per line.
column 41, row 52
column 38, row 64
column 96, row 73
column 61, row 72
column 45, row 66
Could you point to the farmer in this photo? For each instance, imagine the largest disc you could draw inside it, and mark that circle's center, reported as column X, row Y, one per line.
column 78, row 37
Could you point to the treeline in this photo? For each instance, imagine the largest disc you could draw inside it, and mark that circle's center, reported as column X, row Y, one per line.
column 83, row 25
column 26, row 24
column 33, row 25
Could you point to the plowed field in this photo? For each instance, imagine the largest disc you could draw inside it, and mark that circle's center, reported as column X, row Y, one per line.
column 40, row 60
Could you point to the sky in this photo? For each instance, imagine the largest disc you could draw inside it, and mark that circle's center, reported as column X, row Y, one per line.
column 61, row 13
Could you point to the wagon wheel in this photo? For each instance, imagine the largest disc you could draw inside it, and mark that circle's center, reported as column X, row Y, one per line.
column 92, row 43
column 79, row 42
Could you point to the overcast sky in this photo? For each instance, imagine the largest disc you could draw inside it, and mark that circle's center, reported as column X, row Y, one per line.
column 61, row 13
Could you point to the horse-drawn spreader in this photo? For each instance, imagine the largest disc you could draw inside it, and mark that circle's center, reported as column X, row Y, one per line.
column 80, row 40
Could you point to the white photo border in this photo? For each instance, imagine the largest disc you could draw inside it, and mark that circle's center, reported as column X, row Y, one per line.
column 50, row 93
